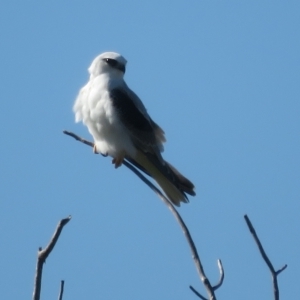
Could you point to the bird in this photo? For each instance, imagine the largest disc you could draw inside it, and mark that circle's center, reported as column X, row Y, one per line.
column 122, row 128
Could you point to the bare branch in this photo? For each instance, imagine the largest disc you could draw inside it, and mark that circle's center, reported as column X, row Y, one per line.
column 42, row 256
column 61, row 292
column 281, row 269
column 197, row 293
column 78, row 138
column 199, row 267
column 266, row 259
column 184, row 228
column 221, row 270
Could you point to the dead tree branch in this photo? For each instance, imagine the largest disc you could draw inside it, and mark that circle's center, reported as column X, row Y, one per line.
column 209, row 288
column 61, row 291
column 266, row 259
column 42, row 256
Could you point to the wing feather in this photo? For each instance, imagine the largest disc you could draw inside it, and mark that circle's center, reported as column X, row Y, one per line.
column 144, row 132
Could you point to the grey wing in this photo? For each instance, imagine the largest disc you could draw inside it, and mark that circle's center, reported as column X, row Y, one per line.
column 144, row 132
column 147, row 136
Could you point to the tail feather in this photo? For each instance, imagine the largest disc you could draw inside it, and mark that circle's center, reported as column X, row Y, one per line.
column 172, row 182
column 186, row 185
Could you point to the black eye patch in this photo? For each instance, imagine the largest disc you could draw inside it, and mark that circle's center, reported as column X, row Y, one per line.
column 111, row 62
column 115, row 64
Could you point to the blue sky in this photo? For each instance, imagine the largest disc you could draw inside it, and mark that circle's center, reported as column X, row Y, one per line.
column 221, row 78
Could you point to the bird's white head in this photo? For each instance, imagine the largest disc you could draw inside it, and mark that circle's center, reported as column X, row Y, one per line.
column 111, row 63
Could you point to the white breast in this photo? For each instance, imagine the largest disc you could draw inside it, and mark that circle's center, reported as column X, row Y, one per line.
column 94, row 108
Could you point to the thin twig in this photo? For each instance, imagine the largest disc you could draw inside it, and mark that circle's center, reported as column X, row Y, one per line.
column 266, row 259
column 61, row 292
column 42, row 256
column 221, row 270
column 78, row 138
column 197, row 293
column 199, row 267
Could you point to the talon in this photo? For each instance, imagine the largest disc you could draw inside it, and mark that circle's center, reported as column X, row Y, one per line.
column 95, row 150
column 117, row 162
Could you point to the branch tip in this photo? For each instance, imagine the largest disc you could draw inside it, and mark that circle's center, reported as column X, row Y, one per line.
column 197, row 293
column 61, row 291
column 281, row 269
column 221, row 270
column 265, row 258
column 42, row 256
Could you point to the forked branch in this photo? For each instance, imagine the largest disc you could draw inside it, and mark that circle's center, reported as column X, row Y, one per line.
column 209, row 288
column 42, row 256
column 266, row 259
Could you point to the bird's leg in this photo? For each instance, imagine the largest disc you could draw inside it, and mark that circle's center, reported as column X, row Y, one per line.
column 95, row 150
column 117, row 161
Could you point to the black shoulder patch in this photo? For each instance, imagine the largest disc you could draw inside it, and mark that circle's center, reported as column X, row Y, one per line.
column 128, row 112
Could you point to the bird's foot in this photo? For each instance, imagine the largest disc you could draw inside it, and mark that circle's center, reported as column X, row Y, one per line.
column 95, row 150
column 118, row 161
